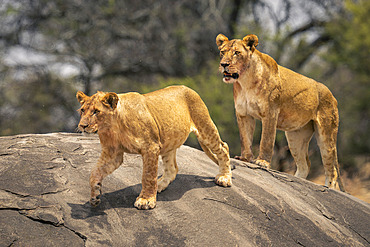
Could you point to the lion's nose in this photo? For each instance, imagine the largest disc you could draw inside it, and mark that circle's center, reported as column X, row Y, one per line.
column 224, row 65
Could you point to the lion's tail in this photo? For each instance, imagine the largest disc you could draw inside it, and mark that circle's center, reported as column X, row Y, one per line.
column 339, row 180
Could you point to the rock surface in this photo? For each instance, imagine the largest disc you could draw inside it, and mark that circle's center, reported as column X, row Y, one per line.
column 44, row 193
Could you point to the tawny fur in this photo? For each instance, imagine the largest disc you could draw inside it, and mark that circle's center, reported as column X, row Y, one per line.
column 153, row 125
column 282, row 99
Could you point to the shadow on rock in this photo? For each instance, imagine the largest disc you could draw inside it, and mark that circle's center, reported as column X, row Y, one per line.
column 126, row 197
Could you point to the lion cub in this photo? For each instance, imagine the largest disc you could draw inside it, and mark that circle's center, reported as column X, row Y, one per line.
column 153, row 125
column 281, row 99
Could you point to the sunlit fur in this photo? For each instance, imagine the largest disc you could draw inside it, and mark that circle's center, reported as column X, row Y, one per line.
column 153, row 125
column 281, row 99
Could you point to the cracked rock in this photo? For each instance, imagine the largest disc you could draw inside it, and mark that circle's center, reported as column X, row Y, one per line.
column 44, row 194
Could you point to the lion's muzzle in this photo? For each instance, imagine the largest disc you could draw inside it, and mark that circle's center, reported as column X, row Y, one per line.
column 87, row 128
column 83, row 126
column 226, row 72
column 227, row 76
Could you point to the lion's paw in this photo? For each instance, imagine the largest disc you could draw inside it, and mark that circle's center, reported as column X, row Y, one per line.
column 142, row 203
column 223, row 180
column 95, row 201
column 241, row 158
column 262, row 163
column 95, row 195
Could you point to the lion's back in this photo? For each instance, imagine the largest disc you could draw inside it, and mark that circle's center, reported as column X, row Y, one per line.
column 173, row 99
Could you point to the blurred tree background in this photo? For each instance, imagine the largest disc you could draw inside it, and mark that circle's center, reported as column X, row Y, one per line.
column 49, row 49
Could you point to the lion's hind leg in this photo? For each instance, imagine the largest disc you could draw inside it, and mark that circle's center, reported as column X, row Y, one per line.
column 207, row 134
column 148, row 195
column 218, row 151
column 170, row 170
column 298, row 142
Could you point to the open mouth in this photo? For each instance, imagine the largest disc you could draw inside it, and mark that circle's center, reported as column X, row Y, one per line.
column 233, row 75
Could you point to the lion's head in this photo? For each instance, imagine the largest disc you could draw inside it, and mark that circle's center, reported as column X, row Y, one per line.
column 95, row 110
column 235, row 55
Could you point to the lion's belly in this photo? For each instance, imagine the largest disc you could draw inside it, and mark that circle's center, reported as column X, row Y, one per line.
column 289, row 121
column 174, row 127
column 294, row 113
column 174, row 137
column 298, row 107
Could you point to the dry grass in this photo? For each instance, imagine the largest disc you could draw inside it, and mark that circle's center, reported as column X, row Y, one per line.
column 358, row 186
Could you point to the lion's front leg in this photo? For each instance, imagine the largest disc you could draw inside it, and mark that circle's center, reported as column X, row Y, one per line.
column 148, row 196
column 267, row 141
column 246, row 126
column 108, row 162
column 96, row 179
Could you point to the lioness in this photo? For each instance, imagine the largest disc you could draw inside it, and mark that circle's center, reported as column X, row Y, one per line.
column 152, row 124
column 281, row 99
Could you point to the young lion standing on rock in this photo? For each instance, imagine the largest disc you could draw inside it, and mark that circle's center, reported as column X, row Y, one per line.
column 281, row 99
column 152, row 124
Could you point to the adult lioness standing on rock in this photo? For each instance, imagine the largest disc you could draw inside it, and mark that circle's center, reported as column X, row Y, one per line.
column 281, row 99
column 153, row 125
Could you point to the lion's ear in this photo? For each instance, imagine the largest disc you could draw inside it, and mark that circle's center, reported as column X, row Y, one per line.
column 252, row 41
column 110, row 100
column 81, row 97
column 220, row 39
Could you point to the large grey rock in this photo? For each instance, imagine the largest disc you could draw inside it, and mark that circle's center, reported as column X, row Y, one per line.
column 44, row 193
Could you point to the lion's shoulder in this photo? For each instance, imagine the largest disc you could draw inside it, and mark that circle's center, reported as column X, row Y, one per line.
column 268, row 60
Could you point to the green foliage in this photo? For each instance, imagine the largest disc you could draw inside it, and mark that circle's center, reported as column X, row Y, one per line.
column 37, row 105
column 351, row 40
column 348, row 56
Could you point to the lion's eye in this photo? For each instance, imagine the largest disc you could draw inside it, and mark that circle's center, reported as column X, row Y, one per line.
column 82, row 110
column 96, row 111
column 236, row 53
column 222, row 53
